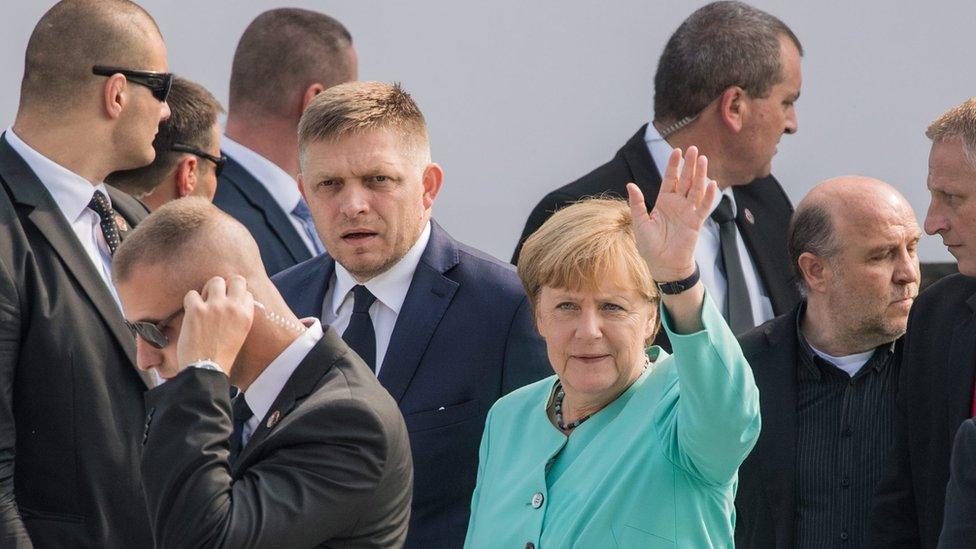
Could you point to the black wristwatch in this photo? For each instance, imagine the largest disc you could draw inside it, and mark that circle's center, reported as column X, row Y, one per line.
column 678, row 286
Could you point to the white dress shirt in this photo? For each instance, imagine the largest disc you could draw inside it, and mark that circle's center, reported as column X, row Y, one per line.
column 390, row 289
column 265, row 389
column 283, row 187
column 708, row 250
column 72, row 193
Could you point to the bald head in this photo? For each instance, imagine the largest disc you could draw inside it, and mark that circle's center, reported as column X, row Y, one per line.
column 192, row 240
column 75, row 35
column 837, row 206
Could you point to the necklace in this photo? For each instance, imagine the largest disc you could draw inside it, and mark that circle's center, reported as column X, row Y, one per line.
column 558, row 407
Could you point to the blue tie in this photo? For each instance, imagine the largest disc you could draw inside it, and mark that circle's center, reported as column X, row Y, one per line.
column 303, row 214
column 359, row 335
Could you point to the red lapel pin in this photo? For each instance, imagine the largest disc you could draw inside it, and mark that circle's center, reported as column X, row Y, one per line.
column 273, row 420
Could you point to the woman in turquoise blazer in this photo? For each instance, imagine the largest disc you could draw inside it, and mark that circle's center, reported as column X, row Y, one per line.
column 622, row 447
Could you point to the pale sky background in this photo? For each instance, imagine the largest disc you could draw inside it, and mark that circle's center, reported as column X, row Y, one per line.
column 523, row 97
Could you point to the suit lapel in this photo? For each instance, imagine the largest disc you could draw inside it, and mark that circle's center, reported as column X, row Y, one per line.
column 259, row 197
column 759, row 242
column 959, row 373
column 307, row 292
column 26, row 189
column 427, row 300
column 646, row 175
column 776, row 448
column 303, row 382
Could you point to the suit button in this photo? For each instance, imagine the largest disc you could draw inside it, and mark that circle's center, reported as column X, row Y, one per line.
column 537, row 500
column 845, row 482
column 529, row 545
column 844, row 536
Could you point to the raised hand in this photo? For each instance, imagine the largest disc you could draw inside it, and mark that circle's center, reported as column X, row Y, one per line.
column 217, row 322
column 666, row 237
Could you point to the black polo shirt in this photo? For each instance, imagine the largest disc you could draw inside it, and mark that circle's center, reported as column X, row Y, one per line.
column 844, row 429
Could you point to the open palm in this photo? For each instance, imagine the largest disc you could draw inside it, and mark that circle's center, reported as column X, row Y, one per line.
column 666, row 237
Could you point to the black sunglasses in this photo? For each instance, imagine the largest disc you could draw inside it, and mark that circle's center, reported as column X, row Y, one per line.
column 218, row 160
column 157, row 82
column 152, row 333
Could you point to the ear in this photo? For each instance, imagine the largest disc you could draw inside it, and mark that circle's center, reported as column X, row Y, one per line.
column 733, row 108
column 186, row 175
column 433, row 178
column 816, row 272
column 114, row 95
column 310, row 94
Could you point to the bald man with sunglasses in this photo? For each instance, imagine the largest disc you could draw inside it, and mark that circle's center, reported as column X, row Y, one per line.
column 312, row 452
column 93, row 93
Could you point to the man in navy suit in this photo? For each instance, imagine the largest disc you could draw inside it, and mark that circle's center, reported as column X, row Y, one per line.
column 284, row 58
column 446, row 328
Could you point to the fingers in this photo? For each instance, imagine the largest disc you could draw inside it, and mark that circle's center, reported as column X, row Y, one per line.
column 711, row 189
column 698, row 185
column 688, row 171
column 670, row 180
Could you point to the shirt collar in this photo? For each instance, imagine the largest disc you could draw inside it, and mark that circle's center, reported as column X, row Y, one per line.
column 810, row 360
column 660, row 151
column 71, row 192
column 390, row 287
column 283, row 187
column 260, row 396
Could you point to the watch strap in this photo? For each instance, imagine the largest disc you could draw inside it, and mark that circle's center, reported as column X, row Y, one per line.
column 678, row 286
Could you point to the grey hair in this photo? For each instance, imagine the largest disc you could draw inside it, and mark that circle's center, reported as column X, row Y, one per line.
column 721, row 44
column 811, row 230
column 959, row 121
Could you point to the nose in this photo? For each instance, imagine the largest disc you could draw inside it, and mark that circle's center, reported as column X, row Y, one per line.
column 935, row 221
column 792, row 125
column 907, row 270
column 354, row 201
column 147, row 356
column 589, row 326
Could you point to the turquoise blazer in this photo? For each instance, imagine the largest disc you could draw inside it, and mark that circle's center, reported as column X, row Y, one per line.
column 655, row 468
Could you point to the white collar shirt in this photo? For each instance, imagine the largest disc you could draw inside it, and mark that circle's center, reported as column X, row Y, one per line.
column 261, row 395
column 390, row 289
column 72, row 193
column 282, row 187
column 708, row 250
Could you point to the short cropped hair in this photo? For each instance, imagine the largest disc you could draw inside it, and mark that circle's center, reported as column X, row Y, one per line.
column 75, row 35
column 165, row 236
column 194, row 111
column 720, row 45
column 283, row 52
column 576, row 248
column 360, row 106
column 811, row 230
column 957, row 122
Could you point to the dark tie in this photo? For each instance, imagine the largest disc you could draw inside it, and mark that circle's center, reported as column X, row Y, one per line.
column 359, row 334
column 302, row 212
column 99, row 204
column 738, row 309
column 241, row 412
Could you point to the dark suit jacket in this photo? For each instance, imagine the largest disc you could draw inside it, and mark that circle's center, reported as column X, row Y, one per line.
column 764, row 501
column 329, row 466
column 464, row 337
column 935, row 391
column 248, row 201
column 959, row 525
column 70, row 395
column 764, row 198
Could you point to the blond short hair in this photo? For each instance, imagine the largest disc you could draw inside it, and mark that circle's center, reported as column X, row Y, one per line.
column 356, row 107
column 579, row 245
column 959, row 121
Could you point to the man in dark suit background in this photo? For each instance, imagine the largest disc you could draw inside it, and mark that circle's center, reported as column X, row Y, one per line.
column 92, row 97
column 447, row 328
column 726, row 83
column 314, row 453
column 958, row 527
column 285, row 58
column 827, row 370
column 187, row 149
column 935, row 389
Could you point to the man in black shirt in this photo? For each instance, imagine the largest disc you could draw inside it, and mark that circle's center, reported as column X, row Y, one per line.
column 826, row 371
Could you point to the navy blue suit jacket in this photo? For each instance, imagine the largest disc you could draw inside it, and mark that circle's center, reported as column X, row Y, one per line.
column 248, row 201
column 465, row 337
